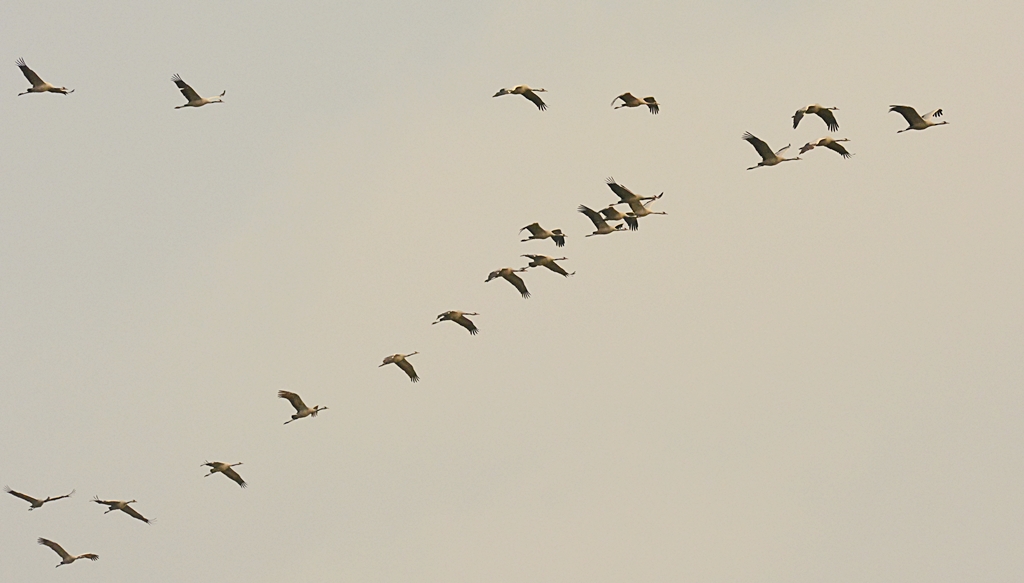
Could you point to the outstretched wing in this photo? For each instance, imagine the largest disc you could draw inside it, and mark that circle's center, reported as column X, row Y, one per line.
column 189, row 93
column 621, row 191
column 909, row 113
column 799, row 115
column 533, row 228
column 652, row 105
column 24, row 497
column 837, row 147
column 90, row 556
column 830, row 119
column 593, row 215
column 134, row 514
column 807, row 147
column 633, row 223
column 467, row 324
column 936, row 113
column 520, row 285
column 294, row 399
column 56, row 548
column 529, row 94
column 231, row 473
column 409, row 370
column 759, row 145
column 557, row 268
column 68, row 495
column 29, row 73
column 110, row 503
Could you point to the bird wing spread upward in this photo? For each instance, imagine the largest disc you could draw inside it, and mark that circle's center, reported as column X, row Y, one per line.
column 110, row 503
column 830, row 119
column 30, row 74
column 24, row 497
column 189, row 93
column 759, row 145
column 533, row 228
column 294, row 399
column 620, row 190
column 909, row 113
column 627, row 98
column 529, row 94
column 936, row 113
column 593, row 215
column 56, row 548
column 807, row 147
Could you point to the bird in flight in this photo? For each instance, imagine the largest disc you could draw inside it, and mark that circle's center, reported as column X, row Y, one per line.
column 460, row 319
column 65, row 558
column 194, row 100
column 825, row 113
column 123, row 507
column 827, row 142
column 225, row 469
column 526, row 92
column 38, row 85
column 301, row 410
column 402, row 363
column 629, row 101
column 509, row 275
column 916, row 121
column 768, row 158
column 35, row 502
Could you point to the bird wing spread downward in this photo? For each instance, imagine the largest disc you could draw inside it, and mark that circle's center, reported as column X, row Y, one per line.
column 759, row 145
column 830, row 119
column 134, row 514
column 409, row 370
column 466, row 323
column 519, row 283
column 837, row 147
column 799, row 115
column 231, row 473
column 294, row 399
column 529, row 94
column 30, row 74
column 56, row 548
column 189, row 93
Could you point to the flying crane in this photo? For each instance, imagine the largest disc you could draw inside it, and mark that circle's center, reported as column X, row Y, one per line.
column 526, row 92
column 768, row 158
column 194, row 100
column 35, row 502
column 402, row 363
column 123, row 507
column 65, row 558
column 460, row 319
column 301, row 410
column 629, row 101
column 38, row 85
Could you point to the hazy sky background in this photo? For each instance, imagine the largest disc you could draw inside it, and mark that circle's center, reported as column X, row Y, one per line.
column 808, row 373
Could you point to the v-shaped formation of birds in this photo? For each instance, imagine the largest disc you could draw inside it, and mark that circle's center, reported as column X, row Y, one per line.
column 607, row 220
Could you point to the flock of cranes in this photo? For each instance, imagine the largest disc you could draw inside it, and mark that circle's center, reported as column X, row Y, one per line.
column 609, row 219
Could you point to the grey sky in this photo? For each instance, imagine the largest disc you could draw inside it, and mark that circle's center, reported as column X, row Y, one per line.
column 804, row 373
